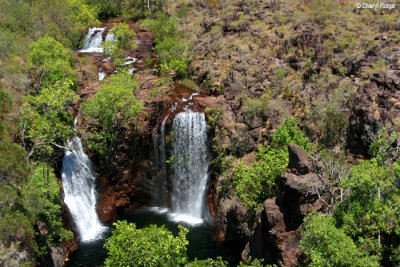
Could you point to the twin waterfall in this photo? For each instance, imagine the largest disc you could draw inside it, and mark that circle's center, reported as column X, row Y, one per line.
column 187, row 173
column 79, row 191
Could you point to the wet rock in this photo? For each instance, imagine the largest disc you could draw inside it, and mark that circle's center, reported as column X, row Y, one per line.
column 57, row 256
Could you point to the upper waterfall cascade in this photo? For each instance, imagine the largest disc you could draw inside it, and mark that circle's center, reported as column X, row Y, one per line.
column 94, row 39
column 79, row 191
column 190, row 162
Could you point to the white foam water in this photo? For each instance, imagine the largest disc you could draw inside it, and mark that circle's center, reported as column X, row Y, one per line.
column 93, row 41
column 190, row 164
column 79, row 191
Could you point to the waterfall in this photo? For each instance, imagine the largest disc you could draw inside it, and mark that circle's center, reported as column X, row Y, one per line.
column 93, row 41
column 190, row 163
column 159, row 158
column 79, row 191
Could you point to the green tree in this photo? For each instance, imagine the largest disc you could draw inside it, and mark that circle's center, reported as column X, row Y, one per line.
column 45, row 123
column 289, row 133
column 256, row 182
column 171, row 48
column 13, row 164
column 150, row 246
column 41, row 200
column 370, row 213
column 372, row 207
column 325, row 245
column 49, row 60
column 16, row 228
column 113, row 106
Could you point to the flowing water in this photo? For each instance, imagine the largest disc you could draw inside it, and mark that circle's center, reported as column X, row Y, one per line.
column 93, row 41
column 190, row 161
column 79, row 191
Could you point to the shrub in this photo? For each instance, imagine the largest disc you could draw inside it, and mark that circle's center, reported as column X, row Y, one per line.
column 126, row 39
column 325, row 245
column 50, row 60
column 289, row 133
column 45, row 123
column 114, row 105
column 257, row 182
column 171, row 47
column 150, row 246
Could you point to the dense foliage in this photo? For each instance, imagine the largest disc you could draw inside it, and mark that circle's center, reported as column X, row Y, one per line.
column 128, row 9
column 171, row 47
column 150, row 246
column 45, row 123
column 112, row 107
column 367, row 219
column 49, row 60
column 154, row 246
column 257, row 182
column 37, row 85
column 326, row 245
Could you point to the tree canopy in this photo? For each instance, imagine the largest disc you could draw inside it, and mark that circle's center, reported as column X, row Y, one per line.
column 152, row 246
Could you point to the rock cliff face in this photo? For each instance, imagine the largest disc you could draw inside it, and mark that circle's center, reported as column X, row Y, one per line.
column 275, row 234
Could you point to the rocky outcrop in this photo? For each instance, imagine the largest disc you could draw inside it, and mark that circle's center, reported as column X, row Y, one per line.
column 276, row 232
column 378, row 101
column 14, row 255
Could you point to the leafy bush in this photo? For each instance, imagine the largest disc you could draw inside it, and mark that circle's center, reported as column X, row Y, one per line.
column 114, row 105
column 214, row 115
column 45, row 122
column 50, row 60
column 13, row 165
column 370, row 211
column 289, row 133
column 171, row 47
column 325, row 245
column 257, row 182
column 150, row 246
column 41, row 200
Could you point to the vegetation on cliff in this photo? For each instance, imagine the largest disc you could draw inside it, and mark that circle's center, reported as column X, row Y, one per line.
column 112, row 107
column 37, row 85
column 257, row 182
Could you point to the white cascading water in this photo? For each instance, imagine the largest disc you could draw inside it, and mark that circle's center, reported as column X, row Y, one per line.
column 79, row 191
column 190, row 167
column 93, row 41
